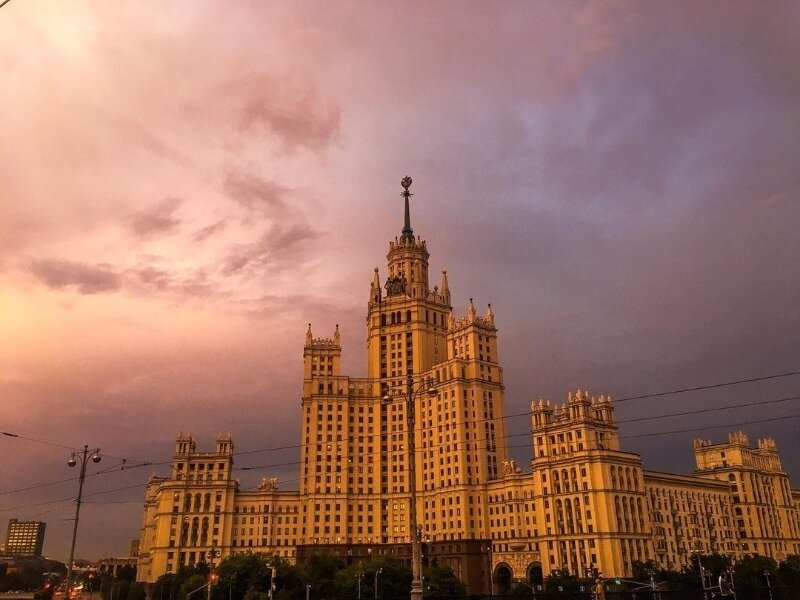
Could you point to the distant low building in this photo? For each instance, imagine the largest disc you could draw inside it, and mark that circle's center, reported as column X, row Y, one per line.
column 24, row 538
column 112, row 566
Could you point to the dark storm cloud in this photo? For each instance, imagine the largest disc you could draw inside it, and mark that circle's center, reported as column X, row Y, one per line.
column 86, row 278
column 156, row 219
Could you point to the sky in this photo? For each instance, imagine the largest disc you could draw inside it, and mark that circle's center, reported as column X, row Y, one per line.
column 184, row 186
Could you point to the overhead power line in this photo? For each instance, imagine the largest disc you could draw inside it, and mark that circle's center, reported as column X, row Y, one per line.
column 740, row 424
column 709, row 386
column 128, row 464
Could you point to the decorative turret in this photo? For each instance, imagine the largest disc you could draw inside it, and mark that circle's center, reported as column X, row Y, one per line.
column 490, row 315
column 224, row 443
column 322, row 356
column 184, row 443
column 593, row 416
column 444, row 288
column 375, row 287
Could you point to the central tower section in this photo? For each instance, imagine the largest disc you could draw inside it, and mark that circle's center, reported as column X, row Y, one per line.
column 406, row 320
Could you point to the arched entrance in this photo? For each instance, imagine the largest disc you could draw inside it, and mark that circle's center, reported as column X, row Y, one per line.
column 503, row 576
column 535, row 575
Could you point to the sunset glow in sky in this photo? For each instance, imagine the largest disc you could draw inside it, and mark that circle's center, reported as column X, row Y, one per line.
column 185, row 185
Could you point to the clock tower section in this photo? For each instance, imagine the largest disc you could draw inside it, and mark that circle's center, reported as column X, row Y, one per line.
column 406, row 320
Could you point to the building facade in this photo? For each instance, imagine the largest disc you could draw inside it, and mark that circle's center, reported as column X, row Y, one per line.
column 24, row 538
column 583, row 504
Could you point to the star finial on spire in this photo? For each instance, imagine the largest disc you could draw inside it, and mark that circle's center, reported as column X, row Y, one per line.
column 408, row 233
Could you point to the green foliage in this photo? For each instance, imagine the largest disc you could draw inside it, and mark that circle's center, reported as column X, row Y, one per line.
column 189, row 585
column 561, row 580
column 320, row 571
column 126, row 572
column 441, row 582
column 749, row 572
column 136, row 592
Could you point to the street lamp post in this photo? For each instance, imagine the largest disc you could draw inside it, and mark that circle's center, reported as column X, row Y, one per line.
column 375, row 587
column 416, row 550
column 213, row 553
column 83, row 456
column 488, row 550
column 271, row 591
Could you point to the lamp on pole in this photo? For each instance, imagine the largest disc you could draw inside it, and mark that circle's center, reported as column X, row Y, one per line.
column 213, row 553
column 375, row 587
column 416, row 549
column 83, row 456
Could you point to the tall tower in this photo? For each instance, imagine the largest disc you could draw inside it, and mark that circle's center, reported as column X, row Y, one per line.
column 406, row 320
column 354, row 457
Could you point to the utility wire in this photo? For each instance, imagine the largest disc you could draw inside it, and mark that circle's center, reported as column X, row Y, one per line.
column 652, row 434
column 708, row 387
column 70, row 499
column 140, row 463
column 707, row 410
column 641, row 435
column 123, row 467
column 30, row 439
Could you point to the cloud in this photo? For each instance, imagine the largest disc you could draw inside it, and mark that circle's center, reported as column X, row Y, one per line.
column 254, row 193
column 156, row 219
column 206, row 232
column 294, row 115
column 276, row 249
column 89, row 279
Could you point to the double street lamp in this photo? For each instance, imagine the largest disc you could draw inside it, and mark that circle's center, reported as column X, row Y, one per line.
column 83, row 456
column 426, row 387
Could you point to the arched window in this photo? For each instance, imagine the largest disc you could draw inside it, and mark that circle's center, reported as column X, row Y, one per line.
column 383, row 320
column 408, row 316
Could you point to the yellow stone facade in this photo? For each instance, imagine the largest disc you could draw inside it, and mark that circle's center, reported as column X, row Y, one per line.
column 584, row 502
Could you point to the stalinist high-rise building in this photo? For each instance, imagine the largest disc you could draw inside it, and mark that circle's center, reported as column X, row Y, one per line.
column 583, row 504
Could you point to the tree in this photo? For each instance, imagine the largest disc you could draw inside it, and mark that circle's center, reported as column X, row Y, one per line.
column 189, row 585
column 441, row 582
column 561, row 580
column 126, row 572
column 136, row 592
column 789, row 574
column 240, row 573
column 319, row 571
column 749, row 573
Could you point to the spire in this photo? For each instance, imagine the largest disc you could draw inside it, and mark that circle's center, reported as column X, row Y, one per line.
column 444, row 287
column 408, row 233
column 309, row 337
column 490, row 315
column 471, row 310
column 336, row 337
column 376, row 280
